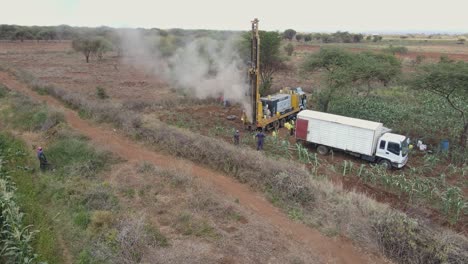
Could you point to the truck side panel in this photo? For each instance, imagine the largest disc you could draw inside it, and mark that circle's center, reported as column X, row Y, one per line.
column 341, row 136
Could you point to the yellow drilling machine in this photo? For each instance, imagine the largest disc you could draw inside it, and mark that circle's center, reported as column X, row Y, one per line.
column 272, row 111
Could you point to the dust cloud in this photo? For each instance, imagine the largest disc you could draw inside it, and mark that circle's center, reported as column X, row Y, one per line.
column 201, row 67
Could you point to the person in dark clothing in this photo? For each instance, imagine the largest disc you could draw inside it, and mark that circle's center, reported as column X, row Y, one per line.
column 236, row 137
column 260, row 137
column 42, row 159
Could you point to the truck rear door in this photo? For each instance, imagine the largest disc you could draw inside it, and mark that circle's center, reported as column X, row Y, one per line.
column 301, row 129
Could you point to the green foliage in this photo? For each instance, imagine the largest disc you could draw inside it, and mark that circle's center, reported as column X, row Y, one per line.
column 299, row 37
column 3, row 91
column 396, row 49
column 74, row 157
column 405, row 111
column 453, row 203
column 289, row 34
column 103, row 46
column 270, row 59
column 308, row 37
column 91, row 45
column 344, row 69
column 30, row 116
column 289, row 49
column 376, row 38
column 16, row 238
column 449, row 81
column 81, row 218
column 338, row 37
column 434, row 190
column 101, row 93
column 370, row 67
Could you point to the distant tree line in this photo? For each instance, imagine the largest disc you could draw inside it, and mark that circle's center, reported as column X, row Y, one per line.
column 337, row 37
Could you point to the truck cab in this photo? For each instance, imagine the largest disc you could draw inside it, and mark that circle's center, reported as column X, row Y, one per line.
column 393, row 149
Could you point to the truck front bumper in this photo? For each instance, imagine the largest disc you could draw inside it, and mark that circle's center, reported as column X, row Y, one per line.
column 402, row 164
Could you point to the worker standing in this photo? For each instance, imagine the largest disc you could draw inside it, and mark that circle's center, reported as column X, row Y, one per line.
column 42, row 159
column 293, row 128
column 236, row 137
column 260, row 137
column 288, row 127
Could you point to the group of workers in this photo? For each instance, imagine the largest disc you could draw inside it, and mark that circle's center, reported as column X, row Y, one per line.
column 260, row 136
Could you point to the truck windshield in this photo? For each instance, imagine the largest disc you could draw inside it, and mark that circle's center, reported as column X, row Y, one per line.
column 404, row 147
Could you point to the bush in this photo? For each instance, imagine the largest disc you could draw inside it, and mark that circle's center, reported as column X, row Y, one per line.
column 289, row 49
column 32, row 116
column 73, row 157
column 396, row 50
column 101, row 221
column 101, row 93
column 3, row 91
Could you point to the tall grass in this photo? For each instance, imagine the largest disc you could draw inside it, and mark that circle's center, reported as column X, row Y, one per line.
column 16, row 238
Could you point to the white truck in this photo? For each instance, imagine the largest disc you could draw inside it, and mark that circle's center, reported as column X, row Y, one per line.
column 368, row 140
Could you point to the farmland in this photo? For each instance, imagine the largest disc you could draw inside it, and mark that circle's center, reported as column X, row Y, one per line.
column 433, row 188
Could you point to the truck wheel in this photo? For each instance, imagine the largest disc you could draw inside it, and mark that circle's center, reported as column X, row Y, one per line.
column 282, row 121
column 385, row 163
column 322, row 150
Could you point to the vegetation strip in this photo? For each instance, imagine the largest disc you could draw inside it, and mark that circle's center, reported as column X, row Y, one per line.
column 15, row 237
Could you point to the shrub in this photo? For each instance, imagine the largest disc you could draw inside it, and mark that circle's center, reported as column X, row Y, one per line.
column 101, row 221
column 396, row 49
column 32, row 116
column 101, row 93
column 289, row 49
column 3, row 91
column 73, row 157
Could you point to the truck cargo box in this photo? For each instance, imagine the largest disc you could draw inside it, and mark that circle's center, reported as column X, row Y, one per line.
column 346, row 133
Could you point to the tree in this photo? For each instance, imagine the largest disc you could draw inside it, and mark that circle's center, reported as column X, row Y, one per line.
column 45, row 34
column 371, row 67
column 86, row 46
column 376, row 38
column 270, row 59
column 103, row 46
column 289, row 34
column 307, row 37
column 450, row 81
column 344, row 69
column 23, row 34
column 336, row 63
column 299, row 37
column 357, row 38
column 289, row 49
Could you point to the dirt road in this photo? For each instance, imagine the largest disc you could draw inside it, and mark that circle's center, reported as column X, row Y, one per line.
column 331, row 250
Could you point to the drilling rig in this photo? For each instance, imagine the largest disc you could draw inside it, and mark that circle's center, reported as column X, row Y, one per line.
column 272, row 111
